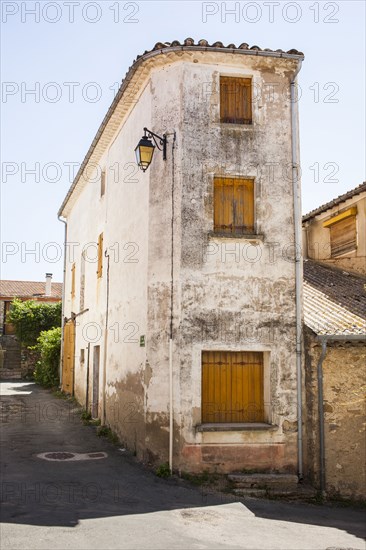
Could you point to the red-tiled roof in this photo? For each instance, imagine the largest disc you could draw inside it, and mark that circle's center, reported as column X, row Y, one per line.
column 334, row 299
column 28, row 289
column 203, row 44
column 335, row 202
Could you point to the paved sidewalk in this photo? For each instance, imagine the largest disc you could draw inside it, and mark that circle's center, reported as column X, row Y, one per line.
column 114, row 503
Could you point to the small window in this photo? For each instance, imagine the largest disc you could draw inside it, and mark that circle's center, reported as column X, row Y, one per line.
column 343, row 232
column 343, row 237
column 100, row 256
column 232, row 387
column 73, row 281
column 82, row 356
column 235, row 100
column 102, row 183
column 233, row 205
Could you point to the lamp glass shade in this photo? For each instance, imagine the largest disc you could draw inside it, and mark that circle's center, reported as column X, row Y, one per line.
column 144, row 153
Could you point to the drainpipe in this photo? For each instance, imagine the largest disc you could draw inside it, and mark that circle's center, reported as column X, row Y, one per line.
column 63, row 300
column 171, row 408
column 103, row 419
column 298, row 263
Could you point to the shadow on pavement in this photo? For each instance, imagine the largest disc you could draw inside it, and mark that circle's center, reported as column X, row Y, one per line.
column 50, row 493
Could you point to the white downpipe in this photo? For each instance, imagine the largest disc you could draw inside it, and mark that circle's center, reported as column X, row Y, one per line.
column 298, row 262
column 171, row 405
column 63, row 301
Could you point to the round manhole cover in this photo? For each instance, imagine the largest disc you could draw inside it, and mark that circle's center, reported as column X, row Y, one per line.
column 59, row 456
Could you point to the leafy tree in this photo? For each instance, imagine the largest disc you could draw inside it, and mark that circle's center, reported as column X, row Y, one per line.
column 30, row 318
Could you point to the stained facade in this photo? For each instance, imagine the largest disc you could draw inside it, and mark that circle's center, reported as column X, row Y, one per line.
column 180, row 287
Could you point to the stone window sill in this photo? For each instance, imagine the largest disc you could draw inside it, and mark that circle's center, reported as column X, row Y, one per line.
column 233, row 126
column 235, row 427
column 246, row 236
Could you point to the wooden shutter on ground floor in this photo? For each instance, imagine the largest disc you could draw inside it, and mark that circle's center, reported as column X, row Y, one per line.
column 68, row 357
column 232, row 386
column 343, row 236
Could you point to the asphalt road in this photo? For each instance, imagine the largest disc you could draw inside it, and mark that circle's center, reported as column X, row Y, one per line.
column 108, row 501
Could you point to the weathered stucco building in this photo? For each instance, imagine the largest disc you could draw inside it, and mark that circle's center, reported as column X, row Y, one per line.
column 334, row 242
column 335, row 232
column 180, row 310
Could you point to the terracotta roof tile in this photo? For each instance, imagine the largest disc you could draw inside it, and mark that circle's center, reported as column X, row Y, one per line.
column 28, row 289
column 190, row 43
column 334, row 299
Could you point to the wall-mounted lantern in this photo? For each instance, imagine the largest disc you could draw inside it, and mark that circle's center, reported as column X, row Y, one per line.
column 145, row 148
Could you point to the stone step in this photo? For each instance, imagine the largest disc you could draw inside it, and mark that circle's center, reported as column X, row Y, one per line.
column 300, row 493
column 280, row 482
column 7, row 374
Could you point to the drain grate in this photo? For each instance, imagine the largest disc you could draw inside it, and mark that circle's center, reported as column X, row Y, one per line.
column 59, row 456
column 96, row 455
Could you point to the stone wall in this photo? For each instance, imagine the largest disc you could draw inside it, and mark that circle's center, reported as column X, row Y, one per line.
column 344, row 381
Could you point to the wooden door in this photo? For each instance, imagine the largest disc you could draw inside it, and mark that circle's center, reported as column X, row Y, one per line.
column 68, row 358
column 95, row 402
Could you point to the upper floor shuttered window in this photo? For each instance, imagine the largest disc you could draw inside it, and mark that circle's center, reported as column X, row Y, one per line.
column 235, row 100
column 100, row 256
column 343, row 237
column 343, row 232
column 73, row 281
column 102, row 183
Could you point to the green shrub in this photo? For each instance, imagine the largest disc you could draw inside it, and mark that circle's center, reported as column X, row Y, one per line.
column 105, row 431
column 48, row 346
column 30, row 318
column 163, row 470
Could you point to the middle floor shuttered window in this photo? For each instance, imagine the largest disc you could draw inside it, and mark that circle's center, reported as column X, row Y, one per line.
column 233, row 205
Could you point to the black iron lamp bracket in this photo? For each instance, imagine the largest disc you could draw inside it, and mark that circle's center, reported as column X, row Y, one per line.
column 160, row 141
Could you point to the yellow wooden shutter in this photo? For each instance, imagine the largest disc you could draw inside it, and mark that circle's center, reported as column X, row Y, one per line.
column 235, row 100
column 73, row 280
column 100, row 255
column 232, row 386
column 233, row 205
column 68, row 357
column 343, row 236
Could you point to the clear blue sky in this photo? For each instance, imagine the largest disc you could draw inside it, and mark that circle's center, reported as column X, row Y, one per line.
column 51, row 129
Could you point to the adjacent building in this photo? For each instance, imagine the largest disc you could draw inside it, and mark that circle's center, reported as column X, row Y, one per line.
column 334, row 342
column 335, row 232
column 13, row 363
column 180, row 312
